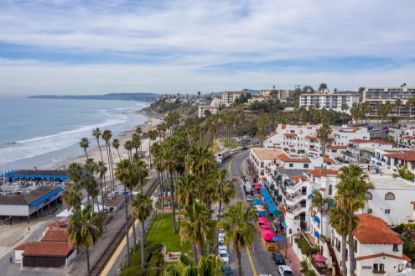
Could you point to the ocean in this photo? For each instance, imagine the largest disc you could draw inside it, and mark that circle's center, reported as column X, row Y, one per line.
column 45, row 132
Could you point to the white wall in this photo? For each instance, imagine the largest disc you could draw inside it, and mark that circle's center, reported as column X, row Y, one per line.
column 14, row 210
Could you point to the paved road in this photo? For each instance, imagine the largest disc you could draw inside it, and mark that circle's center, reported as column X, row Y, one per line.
column 257, row 260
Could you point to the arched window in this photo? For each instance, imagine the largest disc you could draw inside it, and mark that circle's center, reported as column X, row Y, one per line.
column 389, row 196
column 368, row 195
column 330, row 190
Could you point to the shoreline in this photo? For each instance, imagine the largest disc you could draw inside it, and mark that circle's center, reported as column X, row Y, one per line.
column 94, row 152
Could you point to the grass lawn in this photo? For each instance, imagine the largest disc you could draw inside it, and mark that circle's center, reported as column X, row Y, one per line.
column 161, row 231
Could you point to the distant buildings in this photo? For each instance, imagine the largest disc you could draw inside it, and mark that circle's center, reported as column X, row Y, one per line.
column 226, row 98
column 202, row 109
column 330, row 101
column 376, row 96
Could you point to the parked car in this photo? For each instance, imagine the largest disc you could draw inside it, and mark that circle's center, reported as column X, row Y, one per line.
column 224, row 256
column 221, row 238
column 222, row 248
column 227, row 271
column 285, row 270
column 278, row 258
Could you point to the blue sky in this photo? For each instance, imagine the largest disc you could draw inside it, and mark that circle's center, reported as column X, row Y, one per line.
column 94, row 47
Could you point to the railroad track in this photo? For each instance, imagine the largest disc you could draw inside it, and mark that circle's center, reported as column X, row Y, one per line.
column 102, row 261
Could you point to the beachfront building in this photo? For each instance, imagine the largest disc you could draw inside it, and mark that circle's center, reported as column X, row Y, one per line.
column 281, row 94
column 378, row 249
column 330, row 101
column 204, row 109
column 375, row 96
column 52, row 250
column 262, row 158
column 226, row 98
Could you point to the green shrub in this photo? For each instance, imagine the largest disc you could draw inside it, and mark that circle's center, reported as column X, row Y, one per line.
column 305, row 248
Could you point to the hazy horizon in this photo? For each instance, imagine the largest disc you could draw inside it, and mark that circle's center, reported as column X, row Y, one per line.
column 95, row 47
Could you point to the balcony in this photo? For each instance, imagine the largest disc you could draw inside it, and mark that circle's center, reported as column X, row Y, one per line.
column 378, row 271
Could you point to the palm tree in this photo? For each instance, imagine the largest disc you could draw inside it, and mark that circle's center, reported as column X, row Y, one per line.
column 97, row 134
column 322, row 87
column 238, row 227
column 339, row 220
column 195, row 227
column 207, row 266
column 398, row 103
column 186, row 189
column 123, row 173
column 323, row 134
column 224, row 188
column 321, row 204
column 128, row 146
column 152, row 135
column 106, row 135
column 156, row 151
column 84, row 229
column 136, row 142
column 71, row 196
column 101, row 170
column 350, row 197
column 116, row 146
column 141, row 210
column 199, row 161
column 74, row 172
column 84, row 144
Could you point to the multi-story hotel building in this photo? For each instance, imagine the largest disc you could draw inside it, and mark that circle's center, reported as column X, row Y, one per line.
column 376, row 96
column 332, row 101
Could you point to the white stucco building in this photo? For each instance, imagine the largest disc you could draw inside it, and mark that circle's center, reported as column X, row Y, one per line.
column 331, row 101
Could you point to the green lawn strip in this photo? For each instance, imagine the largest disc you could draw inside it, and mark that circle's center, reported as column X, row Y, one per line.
column 161, row 231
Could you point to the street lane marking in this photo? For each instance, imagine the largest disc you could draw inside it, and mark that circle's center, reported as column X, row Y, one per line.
column 251, row 262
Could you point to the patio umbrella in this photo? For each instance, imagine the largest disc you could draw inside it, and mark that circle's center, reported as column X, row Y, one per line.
column 265, row 226
column 263, row 219
column 278, row 238
column 319, row 258
column 267, row 235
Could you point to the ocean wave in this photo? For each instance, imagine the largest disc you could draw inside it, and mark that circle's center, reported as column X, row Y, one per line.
column 28, row 148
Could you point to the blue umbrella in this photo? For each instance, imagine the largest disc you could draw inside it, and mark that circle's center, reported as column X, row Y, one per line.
column 278, row 238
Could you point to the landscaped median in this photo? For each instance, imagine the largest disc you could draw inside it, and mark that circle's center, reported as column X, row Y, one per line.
column 160, row 240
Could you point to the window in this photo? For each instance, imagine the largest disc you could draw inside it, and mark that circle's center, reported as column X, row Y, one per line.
column 378, row 268
column 389, row 196
column 305, row 166
column 331, row 190
column 369, row 211
column 387, row 211
column 395, row 248
column 368, row 195
column 290, row 165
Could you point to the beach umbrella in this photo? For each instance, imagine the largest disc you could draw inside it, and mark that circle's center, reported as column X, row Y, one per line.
column 319, row 258
column 267, row 235
column 265, row 226
column 263, row 219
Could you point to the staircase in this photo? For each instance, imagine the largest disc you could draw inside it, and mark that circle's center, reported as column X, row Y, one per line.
column 333, row 259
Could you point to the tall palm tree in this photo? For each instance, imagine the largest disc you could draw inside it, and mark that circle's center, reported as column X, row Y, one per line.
column 158, row 162
column 339, row 220
column 350, row 197
column 71, row 196
column 239, row 228
column 195, row 227
column 136, row 142
column 123, row 173
column 200, row 161
column 84, row 144
column 116, row 146
column 128, row 146
column 101, row 170
column 321, row 204
column 84, row 229
column 224, row 188
column 107, row 135
column 97, row 134
column 74, row 172
column 398, row 103
column 186, row 189
column 323, row 134
column 141, row 210
column 152, row 135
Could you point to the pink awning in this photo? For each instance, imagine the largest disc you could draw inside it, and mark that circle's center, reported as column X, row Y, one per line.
column 267, row 235
column 319, row 258
column 265, row 226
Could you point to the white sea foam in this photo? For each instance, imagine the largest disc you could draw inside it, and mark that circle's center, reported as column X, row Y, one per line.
column 33, row 147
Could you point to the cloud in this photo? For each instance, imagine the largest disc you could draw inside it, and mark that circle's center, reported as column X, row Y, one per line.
column 190, row 44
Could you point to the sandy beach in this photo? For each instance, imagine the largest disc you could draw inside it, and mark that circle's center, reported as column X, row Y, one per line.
column 152, row 120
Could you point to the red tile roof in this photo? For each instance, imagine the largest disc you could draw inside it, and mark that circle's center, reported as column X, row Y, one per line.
column 373, row 230
column 287, row 158
column 56, row 235
column 406, row 156
column 327, row 160
column 336, row 147
column 22, row 246
column 58, row 224
column 310, row 137
column 376, row 141
column 266, row 154
column 404, row 257
column 319, row 172
column 297, row 178
column 290, row 134
column 49, row 249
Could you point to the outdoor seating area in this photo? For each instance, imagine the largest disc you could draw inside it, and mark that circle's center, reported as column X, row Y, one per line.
column 319, row 263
